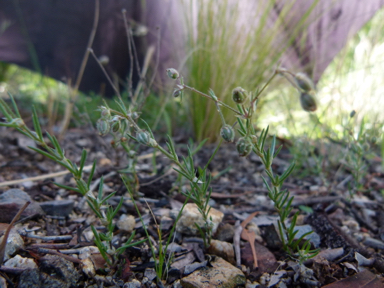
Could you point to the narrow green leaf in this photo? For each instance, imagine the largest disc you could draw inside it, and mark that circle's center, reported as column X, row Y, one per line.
column 100, row 191
column 286, row 173
column 82, row 161
column 14, row 106
column 108, row 197
column 67, row 187
column 91, row 174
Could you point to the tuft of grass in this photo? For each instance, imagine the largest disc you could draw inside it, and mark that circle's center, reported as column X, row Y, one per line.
column 230, row 47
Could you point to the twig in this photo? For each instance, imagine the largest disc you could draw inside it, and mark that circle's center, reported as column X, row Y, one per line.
column 49, row 238
column 54, row 252
column 61, row 173
column 3, row 244
column 236, row 242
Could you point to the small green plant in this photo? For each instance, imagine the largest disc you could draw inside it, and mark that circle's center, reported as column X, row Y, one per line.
column 358, row 151
column 98, row 204
column 251, row 142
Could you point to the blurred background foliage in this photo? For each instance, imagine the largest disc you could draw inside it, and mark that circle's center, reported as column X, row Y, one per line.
column 222, row 58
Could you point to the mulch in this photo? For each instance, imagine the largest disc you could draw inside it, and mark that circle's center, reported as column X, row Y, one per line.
column 348, row 223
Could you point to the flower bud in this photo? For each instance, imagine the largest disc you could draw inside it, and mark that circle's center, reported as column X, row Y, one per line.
column 227, row 133
column 172, row 73
column 239, row 95
column 243, row 146
column 308, row 102
column 143, row 137
column 304, row 82
column 102, row 125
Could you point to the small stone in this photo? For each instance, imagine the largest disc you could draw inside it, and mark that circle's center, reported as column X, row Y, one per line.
column 150, row 273
column 222, row 249
column 126, row 223
column 87, row 251
column 105, row 162
column 58, row 207
column 191, row 215
column 194, row 266
column 177, row 284
column 12, row 200
column 314, row 238
column 58, row 268
column 225, row 232
column 88, row 267
column 14, row 244
column 132, row 284
column 21, row 262
column 166, row 223
column 54, row 271
column 221, row 274
column 82, row 143
column 3, row 282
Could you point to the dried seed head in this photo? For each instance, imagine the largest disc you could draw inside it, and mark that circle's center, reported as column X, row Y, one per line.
column 243, row 146
column 102, row 125
column 172, row 73
column 227, row 133
column 304, row 82
column 308, row 102
column 239, row 95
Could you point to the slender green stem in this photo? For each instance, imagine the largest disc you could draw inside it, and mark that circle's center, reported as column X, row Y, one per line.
column 209, row 97
column 262, row 89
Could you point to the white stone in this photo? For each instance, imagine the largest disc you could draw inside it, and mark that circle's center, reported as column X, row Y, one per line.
column 132, row 284
column 126, row 223
column 3, row 282
column 191, row 215
column 21, row 262
column 14, row 243
column 88, row 267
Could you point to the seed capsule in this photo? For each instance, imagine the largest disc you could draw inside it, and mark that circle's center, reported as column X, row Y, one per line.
column 115, row 124
column 304, row 82
column 176, row 93
column 227, row 133
column 143, row 137
column 239, row 95
column 103, row 127
column 172, row 73
column 105, row 112
column 308, row 102
column 243, row 146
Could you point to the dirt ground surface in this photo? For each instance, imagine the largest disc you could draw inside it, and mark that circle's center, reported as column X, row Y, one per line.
column 348, row 226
